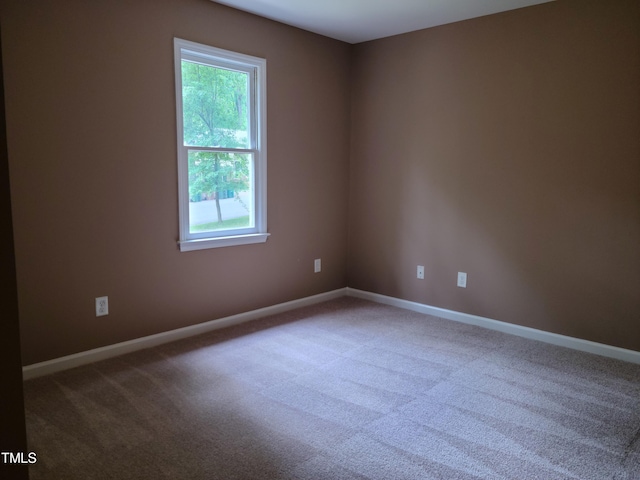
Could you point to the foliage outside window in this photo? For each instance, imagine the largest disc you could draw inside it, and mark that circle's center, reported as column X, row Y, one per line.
column 220, row 99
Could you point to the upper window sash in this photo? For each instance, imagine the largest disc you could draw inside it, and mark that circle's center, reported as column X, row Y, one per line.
column 249, row 73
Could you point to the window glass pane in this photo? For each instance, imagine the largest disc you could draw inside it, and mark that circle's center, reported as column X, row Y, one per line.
column 220, row 191
column 215, row 106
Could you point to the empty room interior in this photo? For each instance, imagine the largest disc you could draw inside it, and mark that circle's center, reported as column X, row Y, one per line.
column 470, row 190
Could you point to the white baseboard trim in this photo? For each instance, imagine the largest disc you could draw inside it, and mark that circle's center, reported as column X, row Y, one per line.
column 526, row 332
column 102, row 353
column 109, row 351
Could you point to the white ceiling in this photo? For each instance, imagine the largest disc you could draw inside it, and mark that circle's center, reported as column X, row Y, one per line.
column 355, row 21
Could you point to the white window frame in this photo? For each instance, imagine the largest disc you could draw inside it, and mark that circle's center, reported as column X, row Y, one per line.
column 257, row 70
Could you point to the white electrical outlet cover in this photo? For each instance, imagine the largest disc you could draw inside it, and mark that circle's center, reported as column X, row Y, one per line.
column 102, row 306
column 462, row 279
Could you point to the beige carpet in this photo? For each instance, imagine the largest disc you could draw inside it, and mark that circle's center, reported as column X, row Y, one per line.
column 346, row 389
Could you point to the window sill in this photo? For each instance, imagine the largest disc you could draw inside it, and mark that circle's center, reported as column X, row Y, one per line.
column 204, row 243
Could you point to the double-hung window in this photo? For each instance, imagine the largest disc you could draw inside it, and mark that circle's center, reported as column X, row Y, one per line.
column 222, row 156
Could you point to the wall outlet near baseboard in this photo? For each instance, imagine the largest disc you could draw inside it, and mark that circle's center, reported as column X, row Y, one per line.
column 317, row 265
column 462, row 279
column 102, row 306
column 420, row 272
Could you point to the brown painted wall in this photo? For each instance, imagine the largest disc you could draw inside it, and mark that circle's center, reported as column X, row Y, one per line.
column 507, row 147
column 92, row 155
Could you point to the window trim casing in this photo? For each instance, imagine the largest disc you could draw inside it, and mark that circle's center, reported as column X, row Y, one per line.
column 258, row 133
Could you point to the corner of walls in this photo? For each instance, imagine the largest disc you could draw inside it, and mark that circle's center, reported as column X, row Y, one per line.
column 505, row 147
